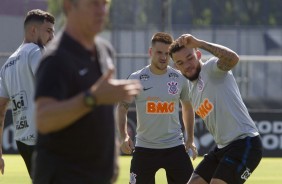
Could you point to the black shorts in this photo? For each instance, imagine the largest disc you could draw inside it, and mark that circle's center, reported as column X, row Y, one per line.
column 233, row 163
column 146, row 162
column 26, row 153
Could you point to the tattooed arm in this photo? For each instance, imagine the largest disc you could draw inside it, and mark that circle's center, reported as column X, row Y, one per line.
column 227, row 57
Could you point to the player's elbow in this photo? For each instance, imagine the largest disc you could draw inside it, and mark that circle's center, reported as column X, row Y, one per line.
column 236, row 58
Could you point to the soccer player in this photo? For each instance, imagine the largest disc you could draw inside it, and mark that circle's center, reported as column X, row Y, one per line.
column 75, row 96
column 17, row 82
column 216, row 99
column 159, row 140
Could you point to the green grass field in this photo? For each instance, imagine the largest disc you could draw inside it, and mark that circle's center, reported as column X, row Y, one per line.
column 268, row 172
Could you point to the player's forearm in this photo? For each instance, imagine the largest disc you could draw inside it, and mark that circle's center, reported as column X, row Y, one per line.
column 189, row 121
column 188, row 117
column 1, row 136
column 53, row 115
column 227, row 57
column 219, row 51
column 3, row 109
column 122, row 120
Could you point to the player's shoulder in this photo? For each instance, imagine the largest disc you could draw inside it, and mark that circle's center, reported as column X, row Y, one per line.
column 29, row 48
column 174, row 73
column 102, row 41
column 140, row 74
column 210, row 66
column 210, row 61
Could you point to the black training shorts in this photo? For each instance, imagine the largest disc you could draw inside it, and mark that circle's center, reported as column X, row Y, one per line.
column 233, row 163
column 146, row 162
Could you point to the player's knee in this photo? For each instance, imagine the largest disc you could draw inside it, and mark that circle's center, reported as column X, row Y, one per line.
column 217, row 181
column 196, row 179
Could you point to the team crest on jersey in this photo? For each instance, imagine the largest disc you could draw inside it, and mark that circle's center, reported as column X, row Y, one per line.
column 172, row 87
column 173, row 75
column 200, row 84
column 132, row 178
column 144, row 77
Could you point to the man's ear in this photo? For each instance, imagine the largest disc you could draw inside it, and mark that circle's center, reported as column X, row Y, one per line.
column 33, row 29
column 198, row 54
column 150, row 51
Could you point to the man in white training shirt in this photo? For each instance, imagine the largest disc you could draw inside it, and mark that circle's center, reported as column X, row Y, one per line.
column 17, row 78
column 159, row 141
column 215, row 97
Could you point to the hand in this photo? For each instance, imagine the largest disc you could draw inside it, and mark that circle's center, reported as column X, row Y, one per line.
column 127, row 145
column 189, row 41
column 110, row 91
column 2, row 165
column 191, row 145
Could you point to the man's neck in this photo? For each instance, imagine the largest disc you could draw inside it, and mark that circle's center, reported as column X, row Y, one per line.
column 87, row 41
column 157, row 71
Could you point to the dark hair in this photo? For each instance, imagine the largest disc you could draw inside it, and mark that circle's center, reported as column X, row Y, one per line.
column 38, row 15
column 162, row 37
column 174, row 47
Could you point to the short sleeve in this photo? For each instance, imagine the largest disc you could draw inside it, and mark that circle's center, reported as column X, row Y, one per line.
column 3, row 87
column 184, row 95
column 34, row 59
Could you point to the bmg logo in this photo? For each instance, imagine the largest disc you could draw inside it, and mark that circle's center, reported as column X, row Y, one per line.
column 19, row 102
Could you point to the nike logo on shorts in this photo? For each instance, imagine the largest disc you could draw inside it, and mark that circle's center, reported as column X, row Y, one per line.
column 83, row 71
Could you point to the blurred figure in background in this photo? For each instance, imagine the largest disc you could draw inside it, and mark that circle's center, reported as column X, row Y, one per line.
column 75, row 97
column 17, row 80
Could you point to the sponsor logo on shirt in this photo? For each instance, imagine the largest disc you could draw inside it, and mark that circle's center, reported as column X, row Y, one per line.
column 19, row 102
column 29, row 137
column 22, row 123
column 173, row 75
column 159, row 107
column 144, row 77
column 12, row 62
column 204, row 109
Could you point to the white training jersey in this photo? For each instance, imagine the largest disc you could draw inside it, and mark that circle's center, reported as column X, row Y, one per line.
column 157, row 108
column 216, row 99
column 17, row 80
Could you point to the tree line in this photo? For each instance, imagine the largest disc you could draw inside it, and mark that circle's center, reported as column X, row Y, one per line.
column 141, row 13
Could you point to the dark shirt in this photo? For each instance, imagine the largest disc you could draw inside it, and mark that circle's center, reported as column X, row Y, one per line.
column 66, row 70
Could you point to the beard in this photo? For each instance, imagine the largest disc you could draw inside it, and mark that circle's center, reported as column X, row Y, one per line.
column 195, row 76
column 40, row 43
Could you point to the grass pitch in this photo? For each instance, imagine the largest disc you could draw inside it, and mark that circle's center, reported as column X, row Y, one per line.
column 269, row 171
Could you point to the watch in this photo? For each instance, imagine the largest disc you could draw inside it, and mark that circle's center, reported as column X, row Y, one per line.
column 89, row 99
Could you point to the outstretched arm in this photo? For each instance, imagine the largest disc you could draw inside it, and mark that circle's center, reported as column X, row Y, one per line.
column 227, row 57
